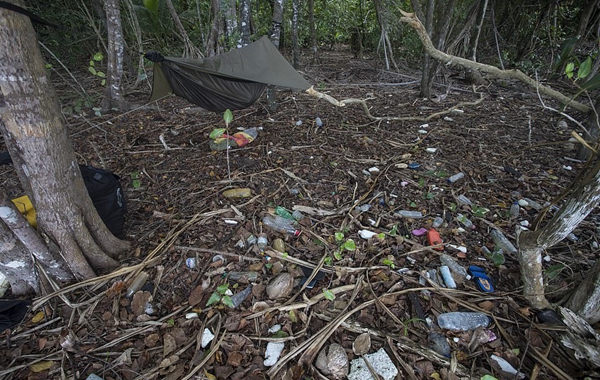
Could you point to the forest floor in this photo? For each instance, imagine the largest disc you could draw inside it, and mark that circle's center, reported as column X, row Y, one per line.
column 350, row 174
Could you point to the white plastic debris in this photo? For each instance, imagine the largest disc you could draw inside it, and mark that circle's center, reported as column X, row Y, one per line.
column 299, row 123
column 431, row 150
column 374, row 169
column 207, row 337
column 191, row 315
column 366, row 234
column 380, row 361
column 274, row 329
column 272, row 353
column 506, row 367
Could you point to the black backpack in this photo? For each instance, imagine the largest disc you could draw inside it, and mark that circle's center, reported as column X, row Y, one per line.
column 107, row 195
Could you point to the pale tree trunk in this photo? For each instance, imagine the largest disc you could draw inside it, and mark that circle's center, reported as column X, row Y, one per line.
column 584, row 198
column 28, row 239
column 275, row 39
column 474, row 76
column 295, row 45
column 212, row 47
column 384, row 40
column 244, row 22
column 113, row 96
column 189, row 49
column 135, row 26
column 16, row 264
column 43, row 157
column 231, row 24
column 313, row 32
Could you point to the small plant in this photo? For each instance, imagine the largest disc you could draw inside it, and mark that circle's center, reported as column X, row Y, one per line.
column 329, row 294
column 135, row 180
column 343, row 245
column 92, row 68
column 221, row 295
column 479, row 211
column 389, row 263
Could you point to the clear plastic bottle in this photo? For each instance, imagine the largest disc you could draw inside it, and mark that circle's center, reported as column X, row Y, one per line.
column 243, row 192
column 447, row 277
column 533, row 204
column 437, row 221
column 280, row 224
column 465, row 221
column 409, row 214
column 462, row 320
column 283, row 212
column 455, row 177
column 464, row 200
column 138, row 282
column 439, row 344
column 514, row 210
column 454, row 266
column 502, row 242
column 262, row 242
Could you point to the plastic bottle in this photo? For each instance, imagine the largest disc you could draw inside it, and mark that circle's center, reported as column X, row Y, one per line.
column 409, row 214
column 455, row 177
column 137, row 283
column 297, row 215
column 514, row 210
column 464, row 200
column 239, row 297
column 454, row 266
column 437, row 221
column 462, row 320
column 280, row 224
column 281, row 211
column 262, row 242
column 447, row 277
column 465, row 221
column 502, row 242
column 251, row 276
column 533, row 204
column 238, row 193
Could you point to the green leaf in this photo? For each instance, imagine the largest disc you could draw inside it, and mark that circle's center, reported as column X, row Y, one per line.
column 103, row 83
column 292, row 316
column 337, row 254
column 328, row 261
column 350, row 245
column 393, row 231
column 570, row 67
column 171, row 322
column 92, row 63
column 92, row 70
column 48, row 65
column 380, row 236
column 339, row 236
column 554, row 271
column 227, row 301
column 100, row 74
column 585, row 68
column 592, row 84
column 228, row 117
column 222, row 289
column 214, row 298
column 216, row 133
column 488, row 377
column 151, row 5
column 389, row 263
column 329, row 294
column 281, row 334
column 566, row 51
column 98, row 57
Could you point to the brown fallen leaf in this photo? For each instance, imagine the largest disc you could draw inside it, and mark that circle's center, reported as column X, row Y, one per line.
column 196, row 295
column 169, row 344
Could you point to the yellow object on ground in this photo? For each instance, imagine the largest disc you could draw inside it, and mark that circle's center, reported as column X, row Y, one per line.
column 26, row 207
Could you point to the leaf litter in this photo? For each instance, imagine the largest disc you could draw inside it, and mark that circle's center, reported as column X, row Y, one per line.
column 342, row 292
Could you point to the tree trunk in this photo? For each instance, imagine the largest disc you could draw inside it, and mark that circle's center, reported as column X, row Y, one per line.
column 16, row 264
column 244, row 22
column 313, row 32
column 29, row 239
column 384, row 40
column 212, row 47
column 584, row 198
column 231, row 24
column 295, row 45
column 474, row 76
column 113, row 96
column 275, row 39
column 189, row 50
column 592, row 125
column 43, row 157
column 585, row 301
column 137, row 31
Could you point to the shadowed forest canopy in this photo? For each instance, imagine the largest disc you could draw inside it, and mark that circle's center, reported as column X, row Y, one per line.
column 232, row 80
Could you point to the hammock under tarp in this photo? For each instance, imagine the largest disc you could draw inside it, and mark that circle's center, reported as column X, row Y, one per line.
column 232, row 80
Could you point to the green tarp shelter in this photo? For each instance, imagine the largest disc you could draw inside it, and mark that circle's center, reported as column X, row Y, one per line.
column 232, row 80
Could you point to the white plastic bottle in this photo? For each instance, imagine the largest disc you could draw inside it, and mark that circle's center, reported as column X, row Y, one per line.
column 463, row 320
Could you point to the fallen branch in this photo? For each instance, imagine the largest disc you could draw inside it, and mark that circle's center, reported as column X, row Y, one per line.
column 450, row 60
column 363, row 102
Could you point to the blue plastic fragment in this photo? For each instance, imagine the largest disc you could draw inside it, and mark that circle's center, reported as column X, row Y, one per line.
column 414, row 166
column 482, row 281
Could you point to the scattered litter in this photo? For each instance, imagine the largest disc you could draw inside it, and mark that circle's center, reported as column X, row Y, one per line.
column 381, row 363
column 274, row 349
column 419, row 232
column 274, row 329
column 507, row 369
column 374, row 170
column 431, row 150
column 207, row 337
column 366, row 234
